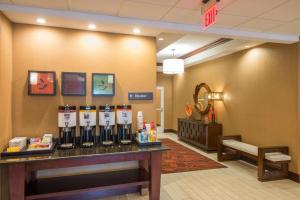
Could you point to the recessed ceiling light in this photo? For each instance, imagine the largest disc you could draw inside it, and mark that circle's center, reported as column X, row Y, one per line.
column 247, row 46
column 160, row 39
column 41, row 21
column 92, row 26
column 136, row 31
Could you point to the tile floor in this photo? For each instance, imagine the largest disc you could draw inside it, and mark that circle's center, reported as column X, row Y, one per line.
column 237, row 182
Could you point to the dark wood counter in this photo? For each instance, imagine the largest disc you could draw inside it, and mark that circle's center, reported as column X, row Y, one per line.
column 24, row 184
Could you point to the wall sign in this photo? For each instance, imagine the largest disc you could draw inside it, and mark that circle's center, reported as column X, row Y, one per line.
column 140, row 95
column 210, row 16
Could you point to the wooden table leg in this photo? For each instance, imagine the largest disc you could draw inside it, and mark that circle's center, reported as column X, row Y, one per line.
column 155, row 174
column 16, row 177
column 144, row 190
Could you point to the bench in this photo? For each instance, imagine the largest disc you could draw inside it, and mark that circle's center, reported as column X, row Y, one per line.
column 272, row 162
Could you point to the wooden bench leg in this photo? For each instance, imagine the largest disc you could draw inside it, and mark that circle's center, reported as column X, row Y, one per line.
column 261, row 167
column 268, row 173
column 223, row 155
column 220, row 151
column 272, row 174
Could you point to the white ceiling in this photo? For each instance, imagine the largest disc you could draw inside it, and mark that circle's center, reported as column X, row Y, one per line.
column 191, row 42
column 177, row 21
column 256, row 15
column 184, row 45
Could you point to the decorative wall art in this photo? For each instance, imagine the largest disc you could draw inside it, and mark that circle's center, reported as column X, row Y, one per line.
column 73, row 84
column 41, row 83
column 103, row 84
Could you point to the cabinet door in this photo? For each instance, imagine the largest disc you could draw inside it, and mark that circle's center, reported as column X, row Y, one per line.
column 193, row 132
column 198, row 136
column 179, row 127
column 201, row 134
column 204, row 135
column 184, row 129
column 190, row 133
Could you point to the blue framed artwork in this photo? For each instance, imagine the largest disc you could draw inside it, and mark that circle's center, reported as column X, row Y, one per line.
column 103, row 84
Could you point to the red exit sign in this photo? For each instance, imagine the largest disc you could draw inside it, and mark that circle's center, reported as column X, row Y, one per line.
column 210, row 16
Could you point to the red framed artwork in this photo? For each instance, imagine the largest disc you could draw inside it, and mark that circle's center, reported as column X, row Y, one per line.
column 41, row 83
column 73, row 84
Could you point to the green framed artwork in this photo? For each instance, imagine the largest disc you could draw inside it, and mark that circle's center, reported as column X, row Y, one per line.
column 103, row 84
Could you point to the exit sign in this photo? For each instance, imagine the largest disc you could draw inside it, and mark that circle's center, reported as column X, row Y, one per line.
column 210, row 15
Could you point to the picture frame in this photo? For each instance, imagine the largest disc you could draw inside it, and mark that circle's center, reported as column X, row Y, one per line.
column 41, row 83
column 73, row 84
column 103, row 84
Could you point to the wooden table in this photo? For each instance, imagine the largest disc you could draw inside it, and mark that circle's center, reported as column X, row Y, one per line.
column 24, row 184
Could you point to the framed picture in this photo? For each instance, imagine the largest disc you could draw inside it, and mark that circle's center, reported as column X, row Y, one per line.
column 73, row 84
column 42, row 83
column 103, row 84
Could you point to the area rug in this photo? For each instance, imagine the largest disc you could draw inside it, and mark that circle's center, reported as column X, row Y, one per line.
column 183, row 159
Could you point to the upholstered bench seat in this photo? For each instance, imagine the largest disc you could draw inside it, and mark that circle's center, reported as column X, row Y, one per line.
column 277, row 157
column 253, row 150
column 241, row 146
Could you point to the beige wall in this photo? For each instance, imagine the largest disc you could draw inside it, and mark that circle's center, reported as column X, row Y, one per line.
column 261, row 88
column 298, row 127
column 131, row 58
column 167, row 82
column 5, row 80
column 6, row 94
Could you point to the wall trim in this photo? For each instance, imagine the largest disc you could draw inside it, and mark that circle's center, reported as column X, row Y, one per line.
column 170, row 131
column 294, row 176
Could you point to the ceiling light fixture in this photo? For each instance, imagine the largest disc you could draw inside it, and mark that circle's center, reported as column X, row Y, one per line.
column 161, row 39
column 41, row 21
column 136, row 31
column 92, row 26
column 173, row 65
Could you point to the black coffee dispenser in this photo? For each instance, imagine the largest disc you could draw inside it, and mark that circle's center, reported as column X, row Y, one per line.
column 124, row 124
column 67, row 126
column 107, row 123
column 87, row 119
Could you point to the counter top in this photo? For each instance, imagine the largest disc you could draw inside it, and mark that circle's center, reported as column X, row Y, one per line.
column 83, row 152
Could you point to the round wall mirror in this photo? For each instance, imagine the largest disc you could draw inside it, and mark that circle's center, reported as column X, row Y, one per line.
column 202, row 103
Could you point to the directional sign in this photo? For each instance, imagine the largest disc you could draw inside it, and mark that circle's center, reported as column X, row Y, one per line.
column 140, row 95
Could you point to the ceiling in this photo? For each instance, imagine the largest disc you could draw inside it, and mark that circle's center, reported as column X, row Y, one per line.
column 248, row 22
column 278, row 16
column 184, row 45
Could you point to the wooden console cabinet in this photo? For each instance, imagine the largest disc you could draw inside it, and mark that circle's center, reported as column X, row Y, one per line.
column 200, row 134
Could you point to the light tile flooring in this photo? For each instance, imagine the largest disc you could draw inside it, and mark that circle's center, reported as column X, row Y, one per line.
column 237, row 182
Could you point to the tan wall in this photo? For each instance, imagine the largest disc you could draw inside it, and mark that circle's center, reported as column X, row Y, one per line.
column 6, row 94
column 131, row 58
column 5, row 80
column 298, row 127
column 261, row 88
column 167, row 82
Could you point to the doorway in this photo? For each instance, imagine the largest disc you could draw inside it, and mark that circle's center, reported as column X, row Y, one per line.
column 160, row 109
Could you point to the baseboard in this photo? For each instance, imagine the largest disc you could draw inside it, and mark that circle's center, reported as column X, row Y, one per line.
column 294, row 177
column 170, row 131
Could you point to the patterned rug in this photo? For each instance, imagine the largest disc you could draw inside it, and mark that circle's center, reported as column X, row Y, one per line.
column 183, row 159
